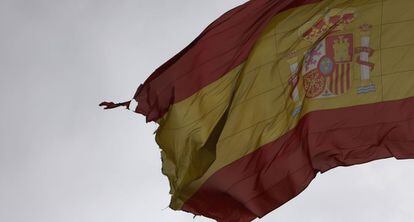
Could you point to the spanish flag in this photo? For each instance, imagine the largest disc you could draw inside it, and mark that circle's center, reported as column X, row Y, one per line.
column 275, row 92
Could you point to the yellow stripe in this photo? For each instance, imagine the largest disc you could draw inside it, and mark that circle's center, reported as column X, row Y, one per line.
column 262, row 109
column 184, row 132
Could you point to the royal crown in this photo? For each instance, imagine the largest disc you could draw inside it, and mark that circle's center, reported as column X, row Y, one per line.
column 365, row 29
column 335, row 20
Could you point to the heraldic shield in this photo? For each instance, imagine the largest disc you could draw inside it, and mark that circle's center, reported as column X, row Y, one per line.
column 327, row 68
column 336, row 61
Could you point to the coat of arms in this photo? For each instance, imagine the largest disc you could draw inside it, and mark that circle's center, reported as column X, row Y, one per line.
column 327, row 68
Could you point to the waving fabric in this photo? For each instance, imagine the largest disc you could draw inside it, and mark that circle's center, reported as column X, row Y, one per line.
column 276, row 91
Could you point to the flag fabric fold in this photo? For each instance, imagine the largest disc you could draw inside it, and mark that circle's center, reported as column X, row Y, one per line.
column 221, row 47
column 275, row 92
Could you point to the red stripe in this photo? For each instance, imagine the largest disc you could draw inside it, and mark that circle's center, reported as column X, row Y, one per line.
column 224, row 45
column 331, row 82
column 348, row 76
column 336, row 78
column 342, row 78
column 267, row 178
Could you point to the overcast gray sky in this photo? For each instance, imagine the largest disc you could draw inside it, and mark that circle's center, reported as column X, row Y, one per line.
column 63, row 159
